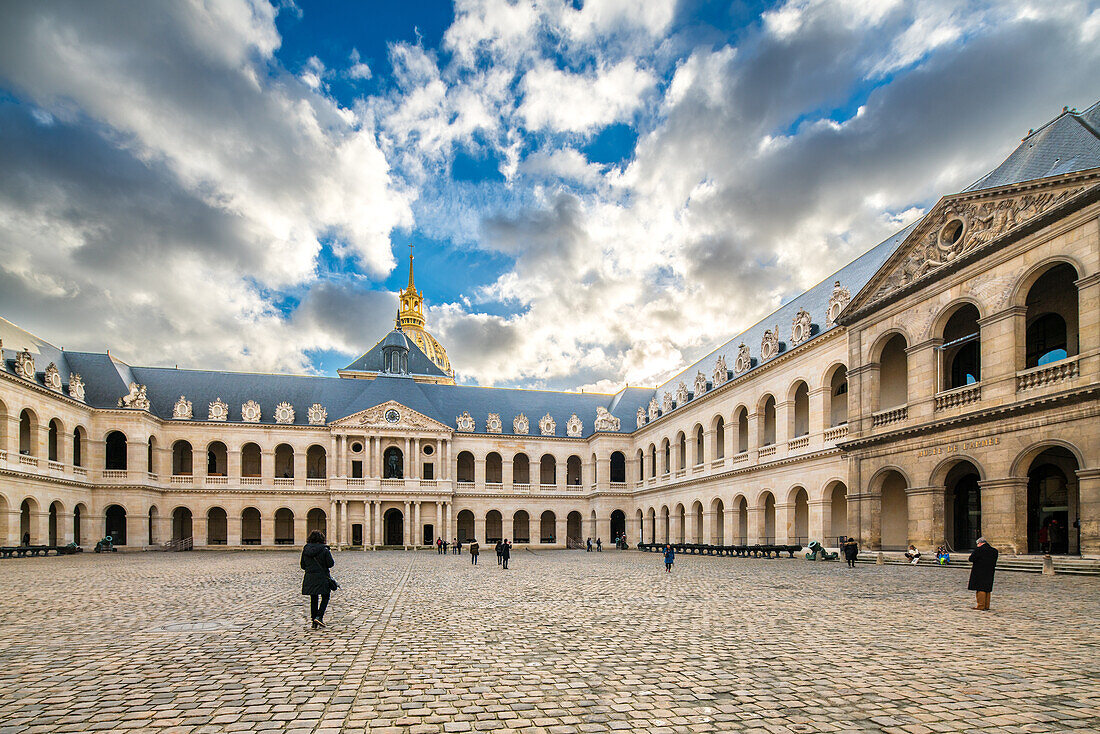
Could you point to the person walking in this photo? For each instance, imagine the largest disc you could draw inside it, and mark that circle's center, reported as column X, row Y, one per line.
column 851, row 551
column 458, row 547
column 983, row 565
column 599, row 545
column 445, row 547
column 500, row 552
column 474, row 550
column 588, row 545
column 505, row 554
column 317, row 583
column 670, row 558
column 26, row 539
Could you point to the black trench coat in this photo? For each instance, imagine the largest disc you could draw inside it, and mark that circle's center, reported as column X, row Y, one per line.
column 984, row 559
column 316, row 561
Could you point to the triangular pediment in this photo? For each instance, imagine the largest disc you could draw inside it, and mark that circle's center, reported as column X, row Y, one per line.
column 962, row 227
column 380, row 418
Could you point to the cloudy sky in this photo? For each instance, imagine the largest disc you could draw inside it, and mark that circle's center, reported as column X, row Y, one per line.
column 598, row 192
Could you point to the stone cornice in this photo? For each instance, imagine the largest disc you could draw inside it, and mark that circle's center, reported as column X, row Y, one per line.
column 42, row 389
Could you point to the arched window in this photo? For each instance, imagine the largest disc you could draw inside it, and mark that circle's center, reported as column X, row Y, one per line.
column 494, row 468
column 962, row 348
column 801, row 410
column 284, row 461
column 667, row 450
column 465, row 467
column 52, row 439
column 767, row 422
column 1052, row 317
column 79, row 436
column 115, row 451
column 181, row 457
column 652, row 461
column 641, row 465
column 618, row 467
column 682, row 449
column 573, row 471
column 548, row 470
column 316, row 462
column 250, row 460
column 699, row 457
column 719, row 438
column 742, row 430
column 150, row 452
column 893, row 373
column 521, row 469
column 217, row 459
column 838, row 400
column 28, row 433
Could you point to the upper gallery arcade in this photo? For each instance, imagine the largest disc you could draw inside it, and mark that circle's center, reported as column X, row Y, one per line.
column 942, row 385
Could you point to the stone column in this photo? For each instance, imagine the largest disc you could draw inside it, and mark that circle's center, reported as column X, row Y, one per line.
column 755, row 528
column 1004, row 513
column 729, row 526
column 331, row 523
column 299, row 467
column 818, row 511
column 602, row 480
column 406, row 519
column 926, row 516
column 479, row 474
column 345, row 529
column 561, row 530
column 376, row 529
column 479, row 528
column 1088, row 510
column 865, row 513
column 418, row 526
column 267, row 529
column 784, row 523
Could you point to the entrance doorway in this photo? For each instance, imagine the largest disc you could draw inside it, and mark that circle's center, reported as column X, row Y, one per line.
column 394, row 522
column 465, row 526
column 618, row 525
column 963, row 507
column 429, row 534
column 1052, row 503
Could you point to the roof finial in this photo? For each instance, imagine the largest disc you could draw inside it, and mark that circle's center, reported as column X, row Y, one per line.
column 412, row 286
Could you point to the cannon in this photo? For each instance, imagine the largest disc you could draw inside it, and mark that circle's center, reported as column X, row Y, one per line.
column 106, row 545
column 817, row 549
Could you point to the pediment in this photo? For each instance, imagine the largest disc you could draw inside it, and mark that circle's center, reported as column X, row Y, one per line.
column 375, row 419
column 960, row 228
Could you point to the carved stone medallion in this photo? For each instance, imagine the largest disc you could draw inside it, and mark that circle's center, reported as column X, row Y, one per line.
column 837, row 301
column 700, row 383
column 654, row 409
column 605, row 421
column 800, row 329
column 547, row 426
column 136, row 398
column 574, row 426
column 769, row 345
column 76, row 387
column 317, row 415
column 520, row 425
column 641, row 417
column 744, row 359
column 218, row 411
column 721, row 372
column 24, row 364
column 493, row 423
column 250, row 412
column 182, row 410
column 284, row 413
column 465, row 422
column 52, row 378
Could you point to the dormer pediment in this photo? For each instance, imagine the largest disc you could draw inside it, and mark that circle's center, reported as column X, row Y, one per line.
column 391, row 416
column 962, row 227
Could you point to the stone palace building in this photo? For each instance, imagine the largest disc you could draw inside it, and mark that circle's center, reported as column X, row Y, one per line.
column 943, row 385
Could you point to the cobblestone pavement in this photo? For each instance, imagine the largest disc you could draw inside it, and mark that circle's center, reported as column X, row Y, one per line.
column 565, row 641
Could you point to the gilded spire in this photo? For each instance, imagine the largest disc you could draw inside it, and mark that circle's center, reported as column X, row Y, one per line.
column 410, row 312
column 412, row 285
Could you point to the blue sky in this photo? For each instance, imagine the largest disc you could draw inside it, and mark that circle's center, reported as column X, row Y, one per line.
column 598, row 192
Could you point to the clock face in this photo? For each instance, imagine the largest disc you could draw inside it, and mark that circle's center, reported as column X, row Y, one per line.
column 392, row 416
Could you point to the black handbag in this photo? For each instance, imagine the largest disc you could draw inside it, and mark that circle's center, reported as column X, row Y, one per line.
column 332, row 585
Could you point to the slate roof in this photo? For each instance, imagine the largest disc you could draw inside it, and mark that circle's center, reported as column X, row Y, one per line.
column 419, row 363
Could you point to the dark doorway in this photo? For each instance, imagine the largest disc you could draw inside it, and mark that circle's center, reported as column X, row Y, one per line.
column 181, row 523
column 394, row 522
column 357, row 534
column 967, row 513
column 393, row 465
column 465, row 526
column 1052, row 503
column 618, row 524
column 429, row 534
column 116, row 524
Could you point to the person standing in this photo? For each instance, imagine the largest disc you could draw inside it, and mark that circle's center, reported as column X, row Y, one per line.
column 445, row 547
column 983, row 565
column 599, row 545
column 588, row 545
column 458, row 547
column 474, row 550
column 317, row 583
column 500, row 552
column 851, row 551
column 26, row 539
column 670, row 557
column 505, row 554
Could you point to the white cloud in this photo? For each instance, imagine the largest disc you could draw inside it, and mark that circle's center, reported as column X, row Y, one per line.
column 564, row 102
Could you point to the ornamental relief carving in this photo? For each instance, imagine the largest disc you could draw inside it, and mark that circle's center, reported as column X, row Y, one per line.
column 52, row 378
column 641, row 417
column 493, row 423
column 218, row 410
column 681, row 394
column 406, row 418
column 994, row 290
column 24, row 364
column 250, row 412
column 667, row 402
column 800, row 329
column 547, row 426
column 607, row 422
column 769, row 345
column 182, row 411
column 76, row 387
column 961, row 227
column 574, row 427
column 840, row 298
column 700, row 383
column 465, row 422
column 744, row 359
column 520, row 425
column 721, row 372
column 136, row 398
column 654, row 409
column 317, row 415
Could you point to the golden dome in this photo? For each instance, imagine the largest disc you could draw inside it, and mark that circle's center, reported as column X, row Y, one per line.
column 411, row 320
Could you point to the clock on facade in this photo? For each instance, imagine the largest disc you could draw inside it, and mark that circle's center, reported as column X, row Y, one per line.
column 392, row 416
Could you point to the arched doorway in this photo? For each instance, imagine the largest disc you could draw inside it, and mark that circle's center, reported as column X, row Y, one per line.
column 153, row 517
column 801, row 528
column 465, row 526
column 55, row 511
column 181, row 523
column 217, row 526
column 521, row 527
column 548, row 527
column 838, row 512
column 742, row 521
column 718, row 509
column 115, row 524
column 317, row 520
column 768, row 502
column 573, row 531
column 393, row 464
column 494, row 527
column 1052, row 503
column 962, row 507
column 618, row 467
column 394, row 522
column 697, row 522
column 284, row 527
column 250, row 526
column 78, row 512
column 618, row 525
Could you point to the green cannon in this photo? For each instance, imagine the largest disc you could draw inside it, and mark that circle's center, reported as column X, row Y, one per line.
column 816, row 548
column 106, row 545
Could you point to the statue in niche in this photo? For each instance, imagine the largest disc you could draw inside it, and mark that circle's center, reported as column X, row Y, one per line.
column 394, row 468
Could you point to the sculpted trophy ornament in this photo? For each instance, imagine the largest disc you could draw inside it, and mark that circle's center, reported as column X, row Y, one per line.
column 837, row 301
column 641, row 417
column 547, row 426
column 654, row 409
column 574, row 426
column 700, row 383
column 76, row 387
column 667, row 402
column 52, row 377
column 493, row 423
column 721, row 372
column 250, row 412
column 284, row 413
column 744, row 359
column 607, row 422
column 800, row 329
column 24, row 364
column 681, row 393
column 769, row 345
column 182, row 410
column 520, row 426
column 317, row 415
column 136, row 398
column 465, row 422
column 218, row 410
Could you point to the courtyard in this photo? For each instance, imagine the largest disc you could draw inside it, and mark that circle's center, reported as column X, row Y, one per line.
column 565, row 641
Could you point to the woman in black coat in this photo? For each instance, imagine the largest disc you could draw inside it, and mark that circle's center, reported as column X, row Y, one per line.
column 317, row 584
column 984, row 564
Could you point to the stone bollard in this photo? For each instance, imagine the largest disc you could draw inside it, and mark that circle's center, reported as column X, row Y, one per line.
column 1048, row 565
column 879, row 559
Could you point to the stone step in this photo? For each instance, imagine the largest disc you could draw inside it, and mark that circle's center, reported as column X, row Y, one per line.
column 1020, row 564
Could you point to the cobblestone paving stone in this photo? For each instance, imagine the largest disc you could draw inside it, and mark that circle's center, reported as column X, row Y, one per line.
column 563, row 642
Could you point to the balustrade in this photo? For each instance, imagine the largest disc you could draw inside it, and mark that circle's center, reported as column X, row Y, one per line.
column 1047, row 374
column 886, row 417
column 958, row 396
